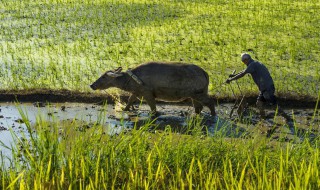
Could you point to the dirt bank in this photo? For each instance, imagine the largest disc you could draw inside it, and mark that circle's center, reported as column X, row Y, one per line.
column 54, row 96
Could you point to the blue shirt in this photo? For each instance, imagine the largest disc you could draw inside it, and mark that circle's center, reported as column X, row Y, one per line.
column 260, row 75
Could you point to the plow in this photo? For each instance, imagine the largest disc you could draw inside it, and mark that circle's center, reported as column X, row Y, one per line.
column 240, row 106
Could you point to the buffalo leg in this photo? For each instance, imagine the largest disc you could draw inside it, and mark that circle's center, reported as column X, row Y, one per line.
column 197, row 106
column 131, row 100
column 207, row 101
column 152, row 103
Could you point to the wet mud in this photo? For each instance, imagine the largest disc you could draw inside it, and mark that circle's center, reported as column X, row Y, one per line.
column 180, row 118
column 63, row 95
column 88, row 109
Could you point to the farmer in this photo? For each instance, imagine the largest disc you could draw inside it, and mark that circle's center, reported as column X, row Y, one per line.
column 263, row 80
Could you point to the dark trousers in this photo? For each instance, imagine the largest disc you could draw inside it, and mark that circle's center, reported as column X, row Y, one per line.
column 267, row 96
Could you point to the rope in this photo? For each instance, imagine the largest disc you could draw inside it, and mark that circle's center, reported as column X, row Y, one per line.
column 134, row 77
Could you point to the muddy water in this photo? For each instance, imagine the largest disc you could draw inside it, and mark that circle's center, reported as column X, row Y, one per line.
column 179, row 117
column 12, row 123
column 11, row 117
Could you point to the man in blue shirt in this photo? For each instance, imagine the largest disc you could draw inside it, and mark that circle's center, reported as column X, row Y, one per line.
column 261, row 76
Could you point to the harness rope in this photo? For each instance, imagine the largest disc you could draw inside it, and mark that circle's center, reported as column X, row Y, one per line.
column 134, row 77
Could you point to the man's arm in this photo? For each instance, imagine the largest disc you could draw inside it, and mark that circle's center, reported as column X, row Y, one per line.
column 237, row 76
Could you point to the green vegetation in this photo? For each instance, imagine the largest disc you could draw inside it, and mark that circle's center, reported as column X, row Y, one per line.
column 67, row 44
column 62, row 155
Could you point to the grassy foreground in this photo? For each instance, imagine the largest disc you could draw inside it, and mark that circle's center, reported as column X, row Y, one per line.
column 67, row 44
column 66, row 156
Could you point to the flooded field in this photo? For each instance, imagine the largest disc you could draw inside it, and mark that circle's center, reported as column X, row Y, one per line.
column 178, row 117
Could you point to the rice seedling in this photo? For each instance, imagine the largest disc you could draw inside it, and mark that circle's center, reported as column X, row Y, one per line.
column 64, row 44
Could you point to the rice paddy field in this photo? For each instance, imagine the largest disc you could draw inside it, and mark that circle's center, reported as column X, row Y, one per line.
column 65, row 45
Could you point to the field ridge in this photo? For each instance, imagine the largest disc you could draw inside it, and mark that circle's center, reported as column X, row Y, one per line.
column 64, row 95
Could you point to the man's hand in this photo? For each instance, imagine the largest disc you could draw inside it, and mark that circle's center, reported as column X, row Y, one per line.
column 228, row 80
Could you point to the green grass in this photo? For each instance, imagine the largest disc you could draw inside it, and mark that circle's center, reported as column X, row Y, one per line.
column 68, row 44
column 64, row 155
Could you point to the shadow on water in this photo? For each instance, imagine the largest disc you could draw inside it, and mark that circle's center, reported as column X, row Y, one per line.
column 204, row 124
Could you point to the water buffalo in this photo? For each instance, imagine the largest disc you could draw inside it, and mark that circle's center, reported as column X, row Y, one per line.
column 153, row 81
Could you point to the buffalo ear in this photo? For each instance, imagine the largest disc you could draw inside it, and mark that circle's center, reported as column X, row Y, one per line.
column 113, row 74
column 118, row 70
